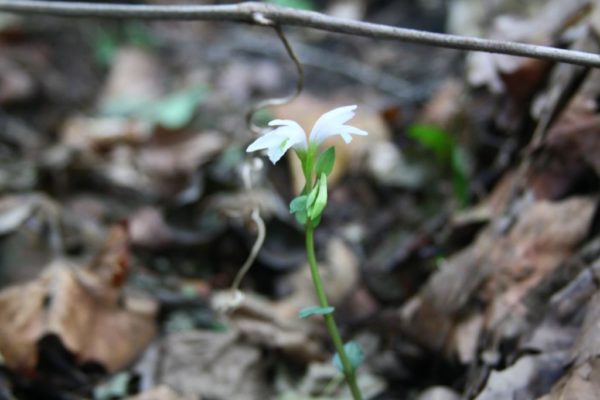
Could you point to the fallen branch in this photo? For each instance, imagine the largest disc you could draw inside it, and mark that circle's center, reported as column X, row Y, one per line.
column 257, row 13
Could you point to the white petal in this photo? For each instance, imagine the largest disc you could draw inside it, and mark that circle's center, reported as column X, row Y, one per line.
column 283, row 122
column 353, row 130
column 275, row 153
column 292, row 130
column 346, row 136
column 329, row 122
column 265, row 141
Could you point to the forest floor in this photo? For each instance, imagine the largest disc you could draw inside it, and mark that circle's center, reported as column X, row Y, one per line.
column 460, row 246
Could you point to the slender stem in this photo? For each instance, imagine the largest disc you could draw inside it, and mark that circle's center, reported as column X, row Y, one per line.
column 329, row 320
column 260, row 13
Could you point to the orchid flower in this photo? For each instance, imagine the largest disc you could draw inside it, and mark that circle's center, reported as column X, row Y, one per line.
column 289, row 134
column 309, row 205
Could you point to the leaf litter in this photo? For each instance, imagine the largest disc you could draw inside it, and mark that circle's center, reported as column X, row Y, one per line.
column 460, row 248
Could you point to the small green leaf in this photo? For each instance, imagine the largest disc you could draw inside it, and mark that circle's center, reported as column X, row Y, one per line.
column 460, row 179
column 316, row 208
column 177, row 110
column 105, row 45
column 298, row 208
column 433, row 138
column 355, row 356
column 298, row 204
column 139, row 35
column 315, row 310
column 312, row 196
column 172, row 112
column 301, row 217
column 326, row 161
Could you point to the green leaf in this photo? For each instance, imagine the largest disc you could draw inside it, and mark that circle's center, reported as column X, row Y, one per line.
column 172, row 112
column 325, row 162
column 298, row 208
column 434, row 139
column 105, row 44
column 312, row 196
column 139, row 35
column 125, row 106
column 316, row 221
column 301, row 217
column 315, row 310
column 300, row 4
column 177, row 110
column 460, row 179
column 298, row 204
column 315, row 209
column 355, row 356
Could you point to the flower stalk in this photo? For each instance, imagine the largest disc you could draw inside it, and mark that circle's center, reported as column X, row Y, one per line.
column 332, row 328
column 308, row 209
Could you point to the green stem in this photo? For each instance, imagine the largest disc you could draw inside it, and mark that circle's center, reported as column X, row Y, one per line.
column 329, row 320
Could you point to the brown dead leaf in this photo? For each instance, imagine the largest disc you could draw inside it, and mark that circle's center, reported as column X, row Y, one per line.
column 545, row 235
column 135, row 75
column 445, row 106
column 83, row 307
column 220, row 365
column 582, row 381
column 576, row 133
column 273, row 325
column 16, row 85
column 518, row 76
column 97, row 134
column 524, row 379
column 182, row 154
column 161, row 393
column 497, row 271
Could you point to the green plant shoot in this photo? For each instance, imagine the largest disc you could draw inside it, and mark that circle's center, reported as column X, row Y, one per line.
column 309, row 206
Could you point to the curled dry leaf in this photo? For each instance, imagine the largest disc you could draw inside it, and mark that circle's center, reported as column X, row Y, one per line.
column 135, row 75
column 572, row 144
column 524, row 379
column 220, row 365
column 84, row 308
column 497, row 270
column 270, row 325
column 516, row 75
column 582, row 381
column 182, row 154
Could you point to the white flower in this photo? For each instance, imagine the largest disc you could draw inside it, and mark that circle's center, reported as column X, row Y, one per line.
column 289, row 134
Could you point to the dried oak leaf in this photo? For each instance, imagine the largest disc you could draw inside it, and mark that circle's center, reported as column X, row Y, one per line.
column 208, row 364
column 84, row 307
column 582, row 381
column 493, row 275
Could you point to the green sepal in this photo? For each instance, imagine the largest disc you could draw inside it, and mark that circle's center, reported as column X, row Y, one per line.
column 298, row 208
column 316, row 221
column 315, row 310
column 298, row 204
column 312, row 196
column 355, row 356
column 325, row 162
column 319, row 194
